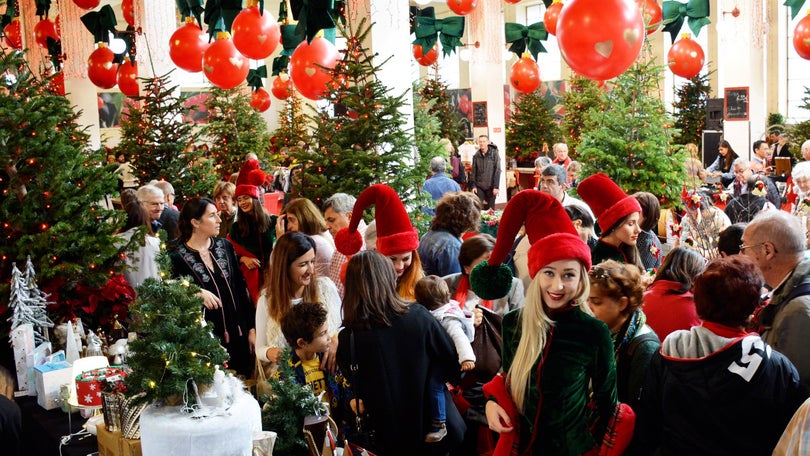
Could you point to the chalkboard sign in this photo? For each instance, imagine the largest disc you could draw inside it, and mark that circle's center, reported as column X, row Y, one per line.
column 479, row 113
column 736, row 103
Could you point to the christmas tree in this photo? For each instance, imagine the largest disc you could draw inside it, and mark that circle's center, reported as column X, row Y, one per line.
column 52, row 190
column 451, row 125
column 234, row 129
column 173, row 344
column 631, row 141
column 28, row 302
column 798, row 133
column 427, row 141
column 154, row 137
column 582, row 95
column 293, row 125
column 690, row 110
column 532, row 124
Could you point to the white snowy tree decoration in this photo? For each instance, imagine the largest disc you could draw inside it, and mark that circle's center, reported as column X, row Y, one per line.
column 28, row 302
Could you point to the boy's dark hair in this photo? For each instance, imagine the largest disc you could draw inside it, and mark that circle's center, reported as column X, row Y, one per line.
column 432, row 292
column 301, row 322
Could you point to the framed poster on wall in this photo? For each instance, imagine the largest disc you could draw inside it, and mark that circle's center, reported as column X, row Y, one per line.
column 736, row 103
column 479, row 113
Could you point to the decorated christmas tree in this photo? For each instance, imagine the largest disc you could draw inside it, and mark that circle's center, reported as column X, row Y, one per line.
column 28, row 302
column 234, row 129
column 154, row 137
column 531, row 125
column 451, row 126
column 582, row 95
column 52, row 190
column 798, row 133
column 690, row 110
column 631, row 141
column 293, row 124
column 427, row 141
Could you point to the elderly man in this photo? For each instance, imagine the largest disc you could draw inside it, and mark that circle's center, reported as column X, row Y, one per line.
column 561, row 155
column 744, row 171
column 774, row 240
column 554, row 181
column 170, row 215
column 154, row 201
column 806, row 150
column 439, row 183
column 337, row 211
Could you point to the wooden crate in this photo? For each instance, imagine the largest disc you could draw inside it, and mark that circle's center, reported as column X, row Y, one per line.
column 111, row 444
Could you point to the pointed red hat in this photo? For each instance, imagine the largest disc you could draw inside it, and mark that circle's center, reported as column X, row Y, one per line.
column 607, row 201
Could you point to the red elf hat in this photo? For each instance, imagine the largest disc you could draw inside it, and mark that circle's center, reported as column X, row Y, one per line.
column 608, row 202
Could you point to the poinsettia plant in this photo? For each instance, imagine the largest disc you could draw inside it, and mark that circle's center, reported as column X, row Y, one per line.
column 96, row 306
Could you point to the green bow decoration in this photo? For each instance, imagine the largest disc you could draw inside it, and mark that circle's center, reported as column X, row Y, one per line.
column 55, row 53
column 191, row 8
column 414, row 12
column 43, row 7
column 254, row 77
column 280, row 65
column 100, row 23
column 129, row 39
column 219, row 14
column 448, row 30
column 290, row 39
column 697, row 11
column 795, row 7
column 523, row 37
column 312, row 16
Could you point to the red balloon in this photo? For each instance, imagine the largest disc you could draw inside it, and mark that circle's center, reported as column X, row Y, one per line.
column 514, row 2
column 86, row 4
column 425, row 59
column 100, row 67
column 462, row 7
column 128, row 8
column 551, row 16
column 43, row 30
column 801, row 38
column 305, row 67
column 651, row 13
column 187, row 46
column 260, row 100
column 525, row 75
column 57, row 84
column 281, row 88
column 600, row 39
column 223, row 65
column 255, row 35
column 128, row 78
column 13, row 33
column 685, row 57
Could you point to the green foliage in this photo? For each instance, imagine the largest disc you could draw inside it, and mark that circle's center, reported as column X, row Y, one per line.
column 285, row 411
column 234, row 130
column 154, row 137
column 582, row 95
column 451, row 124
column 173, row 346
column 630, row 141
column 428, row 143
column 776, row 119
column 293, row 124
column 532, row 124
column 50, row 189
column 690, row 110
column 800, row 132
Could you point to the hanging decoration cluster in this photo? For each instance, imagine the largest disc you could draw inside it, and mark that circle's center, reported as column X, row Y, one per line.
column 429, row 32
column 105, row 68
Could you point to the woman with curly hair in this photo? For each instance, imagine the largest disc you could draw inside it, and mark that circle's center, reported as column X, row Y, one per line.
column 456, row 214
column 302, row 215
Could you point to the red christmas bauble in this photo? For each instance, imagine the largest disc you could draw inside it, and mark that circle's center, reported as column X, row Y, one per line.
column 525, row 75
column 100, row 67
column 13, row 33
column 255, row 35
column 223, row 65
column 128, row 78
column 801, row 37
column 685, row 57
column 462, row 7
column 305, row 67
column 187, row 46
column 551, row 16
column 281, row 87
column 651, row 13
column 128, row 8
column 260, row 100
column 86, row 4
column 513, row 2
column 425, row 59
column 600, row 39
column 43, row 30
column 57, row 84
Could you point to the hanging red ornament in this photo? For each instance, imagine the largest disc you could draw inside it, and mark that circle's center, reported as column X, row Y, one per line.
column 551, row 16
column 425, row 59
column 100, row 67
column 128, row 8
column 685, row 57
column 57, row 84
column 306, row 65
column 462, row 7
column 600, row 39
column 260, row 100
column 281, row 87
column 255, row 35
column 651, row 13
column 513, row 2
column 525, row 74
column 128, row 78
column 223, row 65
column 86, row 4
column 801, row 37
column 187, row 46
column 43, row 30
column 13, row 33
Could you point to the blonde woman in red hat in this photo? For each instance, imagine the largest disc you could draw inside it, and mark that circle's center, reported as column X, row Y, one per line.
column 618, row 216
column 397, row 239
column 555, row 353
column 252, row 234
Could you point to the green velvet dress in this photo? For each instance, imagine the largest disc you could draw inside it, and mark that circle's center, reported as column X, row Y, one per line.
column 603, row 251
column 580, row 354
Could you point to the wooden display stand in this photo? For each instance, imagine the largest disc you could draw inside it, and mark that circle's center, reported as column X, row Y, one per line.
column 112, row 444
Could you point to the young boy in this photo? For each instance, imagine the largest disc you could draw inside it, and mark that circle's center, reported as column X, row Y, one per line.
column 432, row 292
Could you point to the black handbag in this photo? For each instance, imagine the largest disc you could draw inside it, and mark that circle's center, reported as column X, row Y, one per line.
column 361, row 437
column 487, row 345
